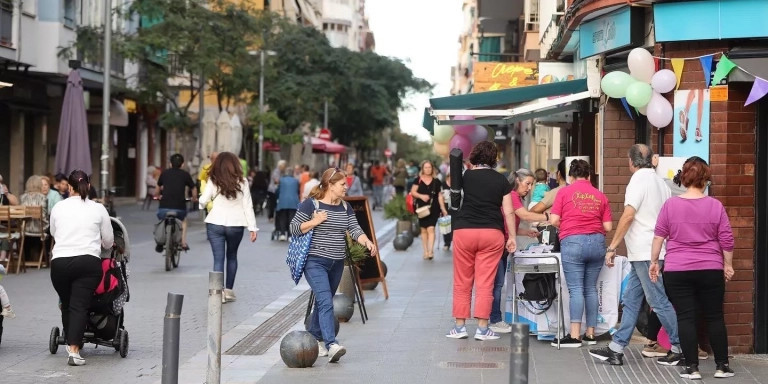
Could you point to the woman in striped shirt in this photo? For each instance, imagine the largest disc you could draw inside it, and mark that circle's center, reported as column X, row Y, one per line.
column 331, row 219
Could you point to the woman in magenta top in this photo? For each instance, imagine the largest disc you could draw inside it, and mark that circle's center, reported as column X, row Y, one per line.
column 697, row 264
column 583, row 215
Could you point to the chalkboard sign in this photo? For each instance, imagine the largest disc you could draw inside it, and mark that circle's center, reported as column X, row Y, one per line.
column 370, row 269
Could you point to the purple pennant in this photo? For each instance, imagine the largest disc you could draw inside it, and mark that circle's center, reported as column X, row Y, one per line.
column 706, row 67
column 626, row 108
column 759, row 89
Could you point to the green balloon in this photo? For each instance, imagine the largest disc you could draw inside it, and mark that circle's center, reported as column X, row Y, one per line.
column 615, row 84
column 639, row 94
column 443, row 133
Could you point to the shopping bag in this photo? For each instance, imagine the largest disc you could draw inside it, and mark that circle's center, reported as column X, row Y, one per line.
column 298, row 248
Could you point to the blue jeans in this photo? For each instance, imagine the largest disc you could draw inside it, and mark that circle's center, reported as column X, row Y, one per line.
column 378, row 195
column 323, row 275
column 498, row 284
column 181, row 214
column 583, row 257
column 639, row 285
column 224, row 243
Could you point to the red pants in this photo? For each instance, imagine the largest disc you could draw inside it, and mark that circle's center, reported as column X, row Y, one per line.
column 476, row 255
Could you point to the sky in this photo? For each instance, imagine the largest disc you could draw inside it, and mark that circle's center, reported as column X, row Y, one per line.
column 425, row 35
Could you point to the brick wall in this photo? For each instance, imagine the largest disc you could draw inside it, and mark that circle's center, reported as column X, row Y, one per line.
column 732, row 159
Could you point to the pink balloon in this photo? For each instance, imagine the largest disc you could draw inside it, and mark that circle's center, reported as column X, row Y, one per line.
column 464, row 129
column 478, row 135
column 463, row 143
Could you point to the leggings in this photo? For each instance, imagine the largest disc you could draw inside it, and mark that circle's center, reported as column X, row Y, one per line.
column 75, row 279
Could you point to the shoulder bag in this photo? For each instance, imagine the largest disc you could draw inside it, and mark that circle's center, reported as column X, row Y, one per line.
column 298, row 248
column 426, row 210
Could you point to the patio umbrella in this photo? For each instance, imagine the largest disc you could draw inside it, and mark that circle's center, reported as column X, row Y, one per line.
column 72, row 149
column 209, row 135
column 223, row 133
column 237, row 134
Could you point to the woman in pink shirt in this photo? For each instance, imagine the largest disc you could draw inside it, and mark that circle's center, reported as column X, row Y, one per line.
column 697, row 264
column 583, row 215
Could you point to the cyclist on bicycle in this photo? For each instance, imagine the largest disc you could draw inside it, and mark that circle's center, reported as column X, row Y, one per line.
column 172, row 189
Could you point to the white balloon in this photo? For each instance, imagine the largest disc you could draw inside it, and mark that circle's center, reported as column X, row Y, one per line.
column 663, row 81
column 659, row 111
column 641, row 65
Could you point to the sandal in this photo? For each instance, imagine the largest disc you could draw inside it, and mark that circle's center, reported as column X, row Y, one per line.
column 698, row 134
column 683, row 126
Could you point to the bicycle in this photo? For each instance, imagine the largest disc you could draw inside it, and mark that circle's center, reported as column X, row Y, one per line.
column 171, row 250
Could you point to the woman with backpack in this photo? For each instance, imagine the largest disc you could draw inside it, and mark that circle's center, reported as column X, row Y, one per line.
column 81, row 228
column 231, row 214
column 329, row 218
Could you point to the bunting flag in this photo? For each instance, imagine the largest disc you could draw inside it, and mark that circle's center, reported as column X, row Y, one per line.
column 677, row 66
column 759, row 89
column 626, row 108
column 706, row 67
column 724, row 67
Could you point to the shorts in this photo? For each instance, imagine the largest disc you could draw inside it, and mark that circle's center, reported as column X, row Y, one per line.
column 181, row 214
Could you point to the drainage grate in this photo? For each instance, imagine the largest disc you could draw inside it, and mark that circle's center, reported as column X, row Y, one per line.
column 268, row 333
column 756, row 357
column 638, row 370
column 485, row 349
column 476, row 365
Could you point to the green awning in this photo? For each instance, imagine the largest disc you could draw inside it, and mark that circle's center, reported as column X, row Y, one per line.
column 501, row 98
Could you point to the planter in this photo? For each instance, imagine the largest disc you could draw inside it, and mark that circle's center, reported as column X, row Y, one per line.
column 408, row 236
column 346, row 285
column 415, row 229
column 403, row 225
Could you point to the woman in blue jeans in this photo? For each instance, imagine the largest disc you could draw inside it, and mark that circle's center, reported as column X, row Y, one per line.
column 330, row 219
column 583, row 215
column 232, row 212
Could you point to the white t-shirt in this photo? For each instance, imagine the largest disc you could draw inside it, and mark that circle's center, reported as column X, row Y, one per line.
column 646, row 193
column 80, row 228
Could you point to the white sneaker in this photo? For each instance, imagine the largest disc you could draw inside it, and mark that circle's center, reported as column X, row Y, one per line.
column 336, row 352
column 501, row 327
column 321, row 350
column 283, row 238
column 229, row 294
column 8, row 313
column 487, row 335
column 74, row 358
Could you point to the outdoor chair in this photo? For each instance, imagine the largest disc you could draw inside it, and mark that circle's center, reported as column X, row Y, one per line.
column 12, row 220
column 35, row 213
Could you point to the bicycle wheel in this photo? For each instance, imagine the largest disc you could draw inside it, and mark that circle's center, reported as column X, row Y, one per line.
column 176, row 256
column 170, row 247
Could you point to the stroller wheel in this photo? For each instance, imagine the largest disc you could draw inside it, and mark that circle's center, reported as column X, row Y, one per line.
column 53, row 342
column 123, row 343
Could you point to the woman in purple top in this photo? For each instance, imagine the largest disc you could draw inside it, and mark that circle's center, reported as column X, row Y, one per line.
column 697, row 265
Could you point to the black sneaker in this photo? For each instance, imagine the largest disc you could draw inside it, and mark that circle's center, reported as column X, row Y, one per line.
column 567, row 342
column 159, row 248
column 606, row 354
column 723, row 371
column 691, row 373
column 670, row 359
column 588, row 340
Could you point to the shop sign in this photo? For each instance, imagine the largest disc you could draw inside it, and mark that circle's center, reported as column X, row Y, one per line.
column 614, row 31
column 718, row 93
column 492, row 76
column 710, row 20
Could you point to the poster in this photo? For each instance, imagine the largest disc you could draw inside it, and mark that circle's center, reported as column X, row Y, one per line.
column 667, row 168
column 493, row 76
column 691, row 124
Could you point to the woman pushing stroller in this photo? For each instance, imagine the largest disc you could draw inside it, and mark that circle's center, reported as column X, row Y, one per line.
column 80, row 227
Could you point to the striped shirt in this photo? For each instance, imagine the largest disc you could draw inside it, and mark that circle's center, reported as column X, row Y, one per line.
column 328, row 238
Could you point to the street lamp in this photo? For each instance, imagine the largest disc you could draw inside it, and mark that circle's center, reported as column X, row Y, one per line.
column 261, row 54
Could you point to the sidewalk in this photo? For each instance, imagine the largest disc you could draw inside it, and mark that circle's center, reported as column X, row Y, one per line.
column 403, row 342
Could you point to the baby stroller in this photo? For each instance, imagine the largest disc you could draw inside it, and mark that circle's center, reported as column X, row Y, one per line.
column 105, row 325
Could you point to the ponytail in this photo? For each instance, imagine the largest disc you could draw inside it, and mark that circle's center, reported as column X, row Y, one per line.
column 80, row 182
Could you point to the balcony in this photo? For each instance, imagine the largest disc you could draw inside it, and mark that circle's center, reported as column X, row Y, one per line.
column 117, row 64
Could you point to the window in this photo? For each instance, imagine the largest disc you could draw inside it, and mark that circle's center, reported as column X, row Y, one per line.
column 70, row 13
column 29, row 7
column 325, row 26
column 6, row 23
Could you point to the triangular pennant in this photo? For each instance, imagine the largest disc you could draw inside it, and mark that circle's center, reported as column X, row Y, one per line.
column 626, row 108
column 724, row 67
column 677, row 66
column 706, row 67
column 759, row 89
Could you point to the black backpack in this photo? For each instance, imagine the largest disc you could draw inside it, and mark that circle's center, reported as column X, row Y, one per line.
column 539, row 290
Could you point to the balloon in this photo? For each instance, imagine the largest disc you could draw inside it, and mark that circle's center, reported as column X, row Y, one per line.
column 641, row 65
column 644, row 109
column 480, row 134
column 663, row 81
column 464, row 129
column 443, row 133
column 659, row 111
column 442, row 149
column 639, row 94
column 615, row 84
column 463, row 143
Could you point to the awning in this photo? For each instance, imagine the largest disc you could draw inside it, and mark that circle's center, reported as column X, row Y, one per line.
column 270, row 146
column 326, row 146
column 505, row 106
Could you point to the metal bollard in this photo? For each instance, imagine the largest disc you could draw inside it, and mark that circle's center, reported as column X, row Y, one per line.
column 215, row 292
column 518, row 356
column 171, row 330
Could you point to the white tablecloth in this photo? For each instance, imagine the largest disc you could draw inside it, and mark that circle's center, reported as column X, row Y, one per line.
column 609, row 289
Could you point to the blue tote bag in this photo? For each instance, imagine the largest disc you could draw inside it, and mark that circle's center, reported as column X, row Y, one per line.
column 298, row 248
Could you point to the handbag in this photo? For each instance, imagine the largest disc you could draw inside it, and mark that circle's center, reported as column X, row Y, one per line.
column 409, row 204
column 425, row 211
column 298, row 249
column 539, row 289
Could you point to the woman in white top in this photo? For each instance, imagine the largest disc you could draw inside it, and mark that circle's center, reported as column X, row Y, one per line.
column 232, row 212
column 81, row 228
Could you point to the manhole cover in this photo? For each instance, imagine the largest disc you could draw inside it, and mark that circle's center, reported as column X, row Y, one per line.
column 470, row 365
